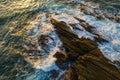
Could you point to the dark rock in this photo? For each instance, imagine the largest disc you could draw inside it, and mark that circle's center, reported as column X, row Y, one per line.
column 87, row 27
column 88, row 61
column 71, row 41
column 74, row 26
column 54, row 73
column 91, row 29
column 95, row 66
column 61, row 60
column 116, row 63
column 69, row 75
column 61, row 56
column 80, row 20
column 117, row 19
column 43, row 39
column 99, row 16
column 100, row 39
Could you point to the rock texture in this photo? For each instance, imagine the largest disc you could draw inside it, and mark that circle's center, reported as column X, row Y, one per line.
column 86, row 60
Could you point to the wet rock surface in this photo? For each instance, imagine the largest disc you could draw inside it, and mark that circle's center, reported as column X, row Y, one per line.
column 86, row 60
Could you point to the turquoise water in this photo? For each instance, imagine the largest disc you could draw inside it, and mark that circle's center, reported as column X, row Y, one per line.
column 22, row 22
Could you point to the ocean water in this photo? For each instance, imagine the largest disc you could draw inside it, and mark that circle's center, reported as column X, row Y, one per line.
column 22, row 22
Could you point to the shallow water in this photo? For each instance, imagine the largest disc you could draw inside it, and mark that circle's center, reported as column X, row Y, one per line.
column 23, row 22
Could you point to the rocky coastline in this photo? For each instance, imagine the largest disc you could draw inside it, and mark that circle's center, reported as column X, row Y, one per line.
column 86, row 60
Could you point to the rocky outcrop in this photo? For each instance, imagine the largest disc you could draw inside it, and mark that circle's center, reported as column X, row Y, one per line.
column 86, row 60
column 98, row 38
column 98, row 12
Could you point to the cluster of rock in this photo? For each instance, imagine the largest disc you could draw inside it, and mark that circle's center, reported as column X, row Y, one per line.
column 97, row 12
column 82, row 58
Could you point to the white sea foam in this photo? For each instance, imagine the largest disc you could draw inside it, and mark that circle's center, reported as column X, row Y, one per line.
column 43, row 27
column 108, row 29
column 45, row 64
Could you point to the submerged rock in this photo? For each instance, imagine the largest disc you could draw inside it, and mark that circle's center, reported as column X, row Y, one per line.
column 55, row 74
column 87, row 61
